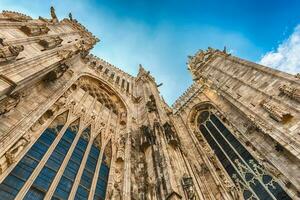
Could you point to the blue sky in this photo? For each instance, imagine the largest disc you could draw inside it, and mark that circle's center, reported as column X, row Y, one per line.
column 161, row 34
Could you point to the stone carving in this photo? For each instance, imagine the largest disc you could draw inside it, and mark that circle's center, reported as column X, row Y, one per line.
column 147, row 137
column 136, row 99
column 201, row 58
column 56, row 73
column 259, row 125
column 276, row 112
column 170, row 134
column 10, row 53
column 53, row 15
column 15, row 16
column 151, row 104
column 123, row 118
column 50, row 43
column 293, row 93
column 9, row 103
column 121, row 148
column 188, row 187
column 16, row 149
column 65, row 54
column 35, row 30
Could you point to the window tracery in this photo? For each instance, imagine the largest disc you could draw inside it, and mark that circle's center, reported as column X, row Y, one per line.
column 251, row 177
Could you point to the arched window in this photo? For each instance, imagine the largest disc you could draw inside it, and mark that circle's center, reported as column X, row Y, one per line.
column 103, row 174
column 252, row 179
column 13, row 183
column 86, row 179
column 66, row 182
column 43, row 181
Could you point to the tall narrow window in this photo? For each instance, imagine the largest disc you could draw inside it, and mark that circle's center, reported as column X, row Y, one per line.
column 103, row 174
column 127, row 87
column 112, row 75
column 84, row 187
column 43, row 181
column 66, row 182
column 123, row 83
column 254, row 181
column 117, row 79
column 13, row 183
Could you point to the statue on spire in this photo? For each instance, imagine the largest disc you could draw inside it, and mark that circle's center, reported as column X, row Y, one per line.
column 53, row 15
column 70, row 16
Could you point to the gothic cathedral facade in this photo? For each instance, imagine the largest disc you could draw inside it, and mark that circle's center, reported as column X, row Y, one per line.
column 73, row 126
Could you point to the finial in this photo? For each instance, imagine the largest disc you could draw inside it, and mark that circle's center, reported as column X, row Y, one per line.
column 70, row 16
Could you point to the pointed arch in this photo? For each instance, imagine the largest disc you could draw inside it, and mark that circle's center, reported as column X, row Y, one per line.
column 246, row 172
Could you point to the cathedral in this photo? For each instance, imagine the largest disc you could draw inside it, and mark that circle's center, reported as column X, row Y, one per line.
column 73, row 126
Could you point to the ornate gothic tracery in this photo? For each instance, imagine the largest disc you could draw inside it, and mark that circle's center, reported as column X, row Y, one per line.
column 248, row 174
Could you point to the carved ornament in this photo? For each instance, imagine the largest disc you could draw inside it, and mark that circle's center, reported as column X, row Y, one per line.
column 293, row 93
column 56, row 73
column 10, row 53
column 35, row 30
column 50, row 43
column 259, row 125
column 276, row 112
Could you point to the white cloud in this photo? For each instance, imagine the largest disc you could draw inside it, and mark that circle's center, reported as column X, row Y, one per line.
column 287, row 56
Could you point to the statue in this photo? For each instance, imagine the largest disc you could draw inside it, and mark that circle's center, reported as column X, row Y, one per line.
column 170, row 134
column 151, row 104
column 9, row 103
column 147, row 138
column 9, row 53
column 121, row 148
column 16, row 149
column 123, row 118
column 53, row 15
column 70, row 16
column 188, row 187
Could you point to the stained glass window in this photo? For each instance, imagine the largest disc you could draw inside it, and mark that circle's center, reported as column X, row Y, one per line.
column 66, row 182
column 13, row 183
column 254, row 181
column 43, row 181
column 88, row 174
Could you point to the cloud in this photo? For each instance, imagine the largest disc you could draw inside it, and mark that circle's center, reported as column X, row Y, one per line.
column 287, row 56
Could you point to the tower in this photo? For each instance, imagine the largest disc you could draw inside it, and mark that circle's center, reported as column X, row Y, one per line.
column 73, row 126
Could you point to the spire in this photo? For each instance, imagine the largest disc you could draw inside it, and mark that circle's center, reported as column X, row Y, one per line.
column 53, row 15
